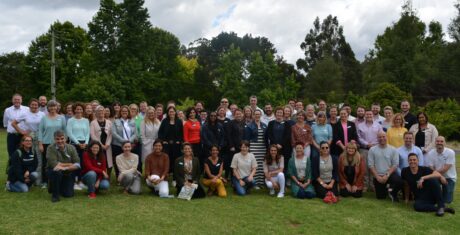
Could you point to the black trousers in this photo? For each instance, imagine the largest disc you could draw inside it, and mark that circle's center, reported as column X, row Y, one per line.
column 80, row 155
column 321, row 191
column 174, row 151
column 12, row 142
column 394, row 181
column 44, row 163
column 345, row 193
column 429, row 196
column 61, row 183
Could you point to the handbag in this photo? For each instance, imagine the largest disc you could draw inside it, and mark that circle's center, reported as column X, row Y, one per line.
column 330, row 198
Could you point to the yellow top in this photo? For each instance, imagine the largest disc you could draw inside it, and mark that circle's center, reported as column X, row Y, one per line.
column 395, row 136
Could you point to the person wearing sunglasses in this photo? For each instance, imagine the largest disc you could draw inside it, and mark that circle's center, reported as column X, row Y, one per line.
column 324, row 172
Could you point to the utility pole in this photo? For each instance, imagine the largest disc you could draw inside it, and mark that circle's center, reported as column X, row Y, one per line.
column 53, row 68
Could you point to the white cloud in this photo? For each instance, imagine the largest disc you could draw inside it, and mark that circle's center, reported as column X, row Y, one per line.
column 284, row 23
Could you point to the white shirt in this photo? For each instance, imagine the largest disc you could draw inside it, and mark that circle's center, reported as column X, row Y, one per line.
column 228, row 114
column 438, row 160
column 30, row 121
column 266, row 119
column 127, row 129
column 13, row 113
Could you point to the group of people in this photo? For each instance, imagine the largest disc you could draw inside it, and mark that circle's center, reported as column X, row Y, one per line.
column 315, row 151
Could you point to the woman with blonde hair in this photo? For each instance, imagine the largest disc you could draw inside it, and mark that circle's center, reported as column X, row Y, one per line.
column 395, row 134
column 388, row 122
column 352, row 168
column 149, row 131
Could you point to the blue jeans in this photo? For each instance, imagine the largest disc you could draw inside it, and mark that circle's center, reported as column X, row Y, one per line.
column 90, row 179
column 448, row 191
column 21, row 187
column 242, row 190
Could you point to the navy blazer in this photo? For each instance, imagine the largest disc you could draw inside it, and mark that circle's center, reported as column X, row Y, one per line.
column 250, row 132
column 315, row 160
column 338, row 134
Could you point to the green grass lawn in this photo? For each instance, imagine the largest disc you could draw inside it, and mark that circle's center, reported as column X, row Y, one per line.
column 112, row 212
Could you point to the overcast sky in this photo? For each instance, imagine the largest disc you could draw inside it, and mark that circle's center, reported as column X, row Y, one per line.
column 284, row 23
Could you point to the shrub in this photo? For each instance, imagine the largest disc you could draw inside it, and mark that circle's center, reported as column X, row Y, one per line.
column 445, row 115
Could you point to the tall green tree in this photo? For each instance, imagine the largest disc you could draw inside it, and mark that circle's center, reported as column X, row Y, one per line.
column 398, row 56
column 454, row 26
column 326, row 39
column 13, row 78
column 104, row 34
column 71, row 46
column 230, row 76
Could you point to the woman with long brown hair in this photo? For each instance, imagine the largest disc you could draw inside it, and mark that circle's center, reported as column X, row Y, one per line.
column 94, row 172
column 273, row 169
column 352, row 168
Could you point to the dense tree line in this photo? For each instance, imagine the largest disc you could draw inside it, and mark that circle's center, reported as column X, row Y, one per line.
column 123, row 57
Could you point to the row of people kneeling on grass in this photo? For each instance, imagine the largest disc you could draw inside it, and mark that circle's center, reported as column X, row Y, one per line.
column 317, row 176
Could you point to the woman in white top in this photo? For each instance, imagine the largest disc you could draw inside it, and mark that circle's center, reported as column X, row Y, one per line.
column 273, row 170
column 149, row 131
column 27, row 124
column 244, row 167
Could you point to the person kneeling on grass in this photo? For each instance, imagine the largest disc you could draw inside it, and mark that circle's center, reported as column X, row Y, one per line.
column 213, row 167
column 94, row 173
column 22, row 171
column 273, row 170
column 244, row 167
column 352, row 169
column 424, row 183
column 62, row 162
column 129, row 178
column 324, row 171
column 299, row 168
column 157, row 170
column 187, row 172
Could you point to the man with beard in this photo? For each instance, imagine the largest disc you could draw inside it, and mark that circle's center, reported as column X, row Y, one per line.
column 268, row 116
column 360, row 112
column 42, row 101
column 409, row 118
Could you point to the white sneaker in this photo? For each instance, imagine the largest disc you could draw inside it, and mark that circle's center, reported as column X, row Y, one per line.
column 272, row 191
column 7, row 186
column 82, row 185
column 174, row 183
column 256, row 187
column 169, row 196
column 44, row 186
column 77, row 187
column 280, row 195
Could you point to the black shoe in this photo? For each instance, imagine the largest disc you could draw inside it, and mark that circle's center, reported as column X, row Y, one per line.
column 55, row 199
column 440, row 212
column 449, row 210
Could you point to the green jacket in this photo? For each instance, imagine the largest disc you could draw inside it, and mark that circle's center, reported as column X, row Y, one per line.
column 55, row 156
column 293, row 172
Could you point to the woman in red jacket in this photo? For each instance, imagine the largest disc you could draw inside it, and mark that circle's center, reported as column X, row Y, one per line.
column 192, row 130
column 351, row 172
column 94, row 169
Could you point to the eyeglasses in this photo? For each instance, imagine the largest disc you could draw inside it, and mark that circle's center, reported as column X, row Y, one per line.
column 224, row 101
column 324, row 147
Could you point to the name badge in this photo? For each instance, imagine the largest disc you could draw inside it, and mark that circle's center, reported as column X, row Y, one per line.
column 218, row 164
column 348, row 127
